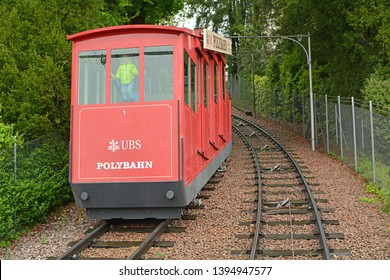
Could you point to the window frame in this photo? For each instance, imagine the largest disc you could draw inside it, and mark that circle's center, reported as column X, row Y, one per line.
column 83, row 95
column 190, row 81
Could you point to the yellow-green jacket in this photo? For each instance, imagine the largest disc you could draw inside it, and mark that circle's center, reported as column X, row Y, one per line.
column 126, row 73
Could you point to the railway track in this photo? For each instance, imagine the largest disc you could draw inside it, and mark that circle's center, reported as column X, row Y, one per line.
column 136, row 239
column 135, row 249
column 133, row 239
column 286, row 211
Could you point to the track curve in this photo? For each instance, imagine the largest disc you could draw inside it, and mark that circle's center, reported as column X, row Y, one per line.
column 242, row 127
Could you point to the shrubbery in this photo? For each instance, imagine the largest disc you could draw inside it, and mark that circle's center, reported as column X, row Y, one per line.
column 40, row 185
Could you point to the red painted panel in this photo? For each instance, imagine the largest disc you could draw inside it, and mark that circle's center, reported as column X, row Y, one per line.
column 125, row 144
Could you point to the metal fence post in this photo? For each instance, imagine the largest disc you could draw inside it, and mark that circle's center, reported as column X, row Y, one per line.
column 354, row 134
column 15, row 165
column 362, row 134
column 274, row 102
column 315, row 126
column 303, row 114
column 336, row 120
column 327, row 123
column 293, row 107
column 239, row 88
column 341, row 128
column 372, row 143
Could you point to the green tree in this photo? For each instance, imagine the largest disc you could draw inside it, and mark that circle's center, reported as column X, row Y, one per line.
column 34, row 67
column 370, row 22
column 35, row 55
column 377, row 89
column 142, row 11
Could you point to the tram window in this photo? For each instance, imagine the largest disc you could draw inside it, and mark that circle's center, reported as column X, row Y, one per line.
column 193, row 86
column 189, row 81
column 92, row 77
column 205, row 78
column 223, row 82
column 216, row 82
column 187, row 88
column 124, row 75
column 158, row 73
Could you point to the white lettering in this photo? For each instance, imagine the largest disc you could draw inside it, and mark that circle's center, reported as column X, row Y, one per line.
column 131, row 144
column 124, row 165
column 138, row 144
column 125, row 145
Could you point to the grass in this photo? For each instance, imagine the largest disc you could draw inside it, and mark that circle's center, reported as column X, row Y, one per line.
column 380, row 189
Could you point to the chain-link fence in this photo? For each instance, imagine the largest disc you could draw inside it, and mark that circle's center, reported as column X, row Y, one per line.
column 241, row 92
column 23, row 161
column 292, row 108
column 357, row 133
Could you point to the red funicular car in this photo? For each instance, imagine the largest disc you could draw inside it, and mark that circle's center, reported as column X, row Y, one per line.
column 150, row 118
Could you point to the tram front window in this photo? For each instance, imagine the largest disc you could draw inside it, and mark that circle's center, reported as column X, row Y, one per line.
column 92, row 77
column 158, row 73
column 125, row 75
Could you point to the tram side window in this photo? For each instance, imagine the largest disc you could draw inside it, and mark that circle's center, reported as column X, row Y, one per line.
column 189, row 81
column 158, row 73
column 224, row 82
column 187, row 91
column 205, row 79
column 216, row 82
column 193, row 86
column 92, row 77
column 124, row 75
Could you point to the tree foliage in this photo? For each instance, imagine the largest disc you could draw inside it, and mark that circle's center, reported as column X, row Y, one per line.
column 35, row 55
column 349, row 40
column 143, row 11
column 35, row 59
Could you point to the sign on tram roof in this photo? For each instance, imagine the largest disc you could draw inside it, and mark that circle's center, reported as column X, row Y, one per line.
column 213, row 41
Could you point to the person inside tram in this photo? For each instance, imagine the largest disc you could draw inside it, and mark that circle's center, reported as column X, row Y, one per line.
column 126, row 79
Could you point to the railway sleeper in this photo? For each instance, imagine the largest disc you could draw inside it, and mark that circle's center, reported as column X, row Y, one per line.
column 288, row 253
column 306, row 236
column 127, row 244
column 293, row 222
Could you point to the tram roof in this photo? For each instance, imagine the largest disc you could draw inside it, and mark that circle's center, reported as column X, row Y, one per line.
column 212, row 41
column 136, row 28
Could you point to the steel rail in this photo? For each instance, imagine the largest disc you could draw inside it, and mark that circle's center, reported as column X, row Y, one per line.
column 85, row 242
column 148, row 242
column 259, row 215
column 317, row 216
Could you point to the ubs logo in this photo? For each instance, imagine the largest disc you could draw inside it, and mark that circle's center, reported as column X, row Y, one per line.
column 115, row 145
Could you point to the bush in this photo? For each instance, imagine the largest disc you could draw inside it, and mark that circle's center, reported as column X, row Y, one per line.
column 377, row 89
column 41, row 185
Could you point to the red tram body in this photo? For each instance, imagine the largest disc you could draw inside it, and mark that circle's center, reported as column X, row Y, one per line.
column 145, row 148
